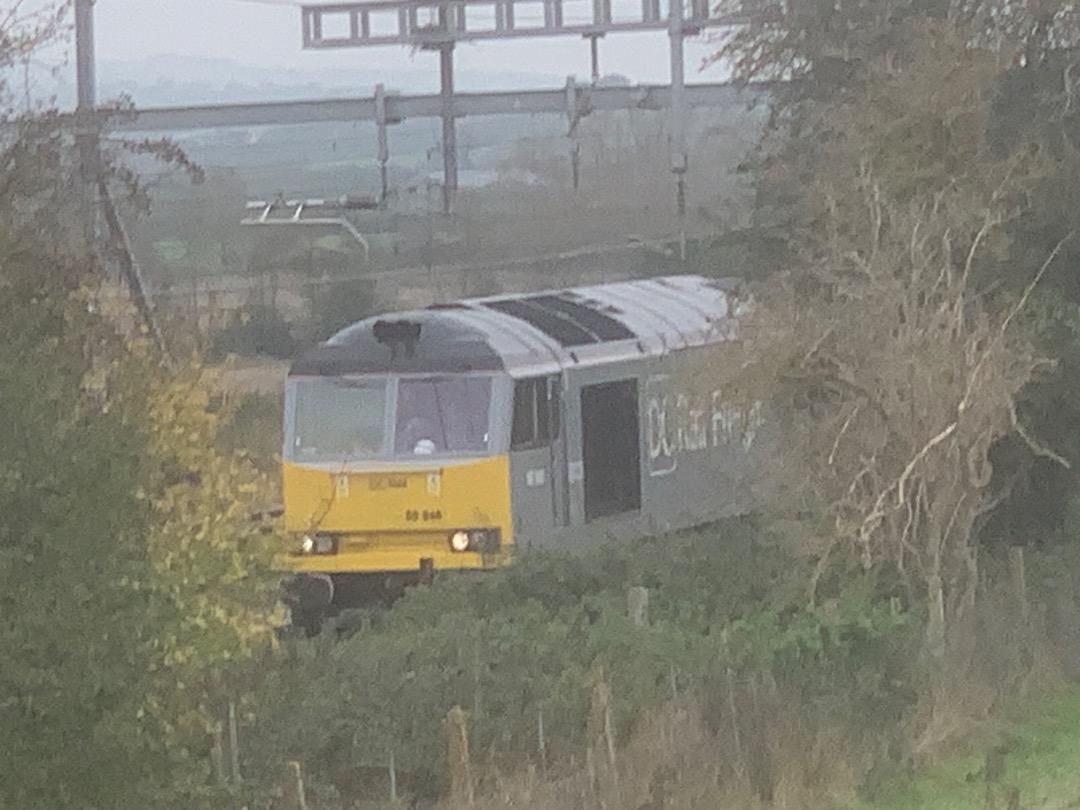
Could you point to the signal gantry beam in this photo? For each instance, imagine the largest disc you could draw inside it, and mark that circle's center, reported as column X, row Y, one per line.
column 435, row 23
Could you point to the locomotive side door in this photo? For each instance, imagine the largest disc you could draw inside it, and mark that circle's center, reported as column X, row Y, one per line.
column 537, row 461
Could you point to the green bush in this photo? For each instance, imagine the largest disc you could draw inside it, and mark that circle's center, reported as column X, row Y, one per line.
column 335, row 306
column 510, row 645
column 259, row 332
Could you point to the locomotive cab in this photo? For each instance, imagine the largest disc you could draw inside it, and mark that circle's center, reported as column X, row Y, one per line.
column 395, row 473
column 395, row 457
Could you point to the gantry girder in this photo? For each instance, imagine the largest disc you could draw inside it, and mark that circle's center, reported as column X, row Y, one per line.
column 434, row 23
column 574, row 100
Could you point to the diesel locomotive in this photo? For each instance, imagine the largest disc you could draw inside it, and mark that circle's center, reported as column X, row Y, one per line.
column 454, row 437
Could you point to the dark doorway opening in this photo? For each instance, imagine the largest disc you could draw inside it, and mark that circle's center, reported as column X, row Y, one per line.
column 611, row 448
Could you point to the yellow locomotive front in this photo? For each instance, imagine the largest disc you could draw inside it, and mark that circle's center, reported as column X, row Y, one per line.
column 394, row 463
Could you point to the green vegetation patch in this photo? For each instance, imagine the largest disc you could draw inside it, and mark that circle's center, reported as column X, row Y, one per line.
column 522, row 651
column 1033, row 756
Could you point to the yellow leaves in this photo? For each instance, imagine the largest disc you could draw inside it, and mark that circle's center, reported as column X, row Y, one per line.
column 212, row 563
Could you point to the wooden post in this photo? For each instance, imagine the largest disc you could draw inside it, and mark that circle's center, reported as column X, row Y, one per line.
column 457, row 756
column 609, row 736
column 600, row 726
column 1019, row 579
column 217, row 755
column 298, row 785
column 392, row 768
column 541, row 740
column 637, row 605
column 234, row 744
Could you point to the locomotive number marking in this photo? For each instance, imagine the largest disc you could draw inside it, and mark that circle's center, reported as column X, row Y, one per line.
column 426, row 515
column 388, row 482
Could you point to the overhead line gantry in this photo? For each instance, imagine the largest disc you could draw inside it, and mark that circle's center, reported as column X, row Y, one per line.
column 438, row 25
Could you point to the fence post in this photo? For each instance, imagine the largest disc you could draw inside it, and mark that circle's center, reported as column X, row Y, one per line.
column 217, row 755
column 1019, row 579
column 542, row 741
column 457, row 755
column 600, row 730
column 637, row 604
column 392, row 768
column 234, row 744
column 298, row 785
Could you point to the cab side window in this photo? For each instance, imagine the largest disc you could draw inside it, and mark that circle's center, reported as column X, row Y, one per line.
column 536, row 413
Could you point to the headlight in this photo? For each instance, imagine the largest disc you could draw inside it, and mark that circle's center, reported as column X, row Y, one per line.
column 482, row 541
column 319, row 544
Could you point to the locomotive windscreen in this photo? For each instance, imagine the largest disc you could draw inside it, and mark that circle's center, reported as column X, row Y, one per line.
column 442, row 415
column 337, row 417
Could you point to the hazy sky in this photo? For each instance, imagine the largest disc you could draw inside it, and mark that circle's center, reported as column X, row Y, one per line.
column 268, row 35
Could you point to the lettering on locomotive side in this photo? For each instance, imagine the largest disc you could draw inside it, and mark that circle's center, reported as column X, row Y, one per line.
column 686, row 422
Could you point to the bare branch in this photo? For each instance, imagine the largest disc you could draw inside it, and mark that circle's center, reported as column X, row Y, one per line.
column 1033, row 445
column 840, row 435
column 1035, row 281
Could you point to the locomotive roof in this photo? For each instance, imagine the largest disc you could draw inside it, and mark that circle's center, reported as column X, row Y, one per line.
column 535, row 333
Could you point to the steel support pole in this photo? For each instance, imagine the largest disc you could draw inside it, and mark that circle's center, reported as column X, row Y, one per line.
column 384, row 142
column 84, row 54
column 85, row 133
column 573, row 118
column 446, row 98
column 449, row 130
column 679, row 159
column 594, row 54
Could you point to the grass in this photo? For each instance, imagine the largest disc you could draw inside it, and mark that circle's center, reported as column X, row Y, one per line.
column 1041, row 741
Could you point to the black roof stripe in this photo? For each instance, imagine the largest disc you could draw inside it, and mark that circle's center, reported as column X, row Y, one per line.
column 564, row 330
column 599, row 323
column 567, row 321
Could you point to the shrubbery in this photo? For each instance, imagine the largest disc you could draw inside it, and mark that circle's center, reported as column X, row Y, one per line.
column 335, row 306
column 261, row 332
column 525, row 646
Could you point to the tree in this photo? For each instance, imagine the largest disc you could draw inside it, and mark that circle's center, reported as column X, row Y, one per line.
column 900, row 379
column 130, row 576
column 75, row 659
column 901, row 358
column 926, row 99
